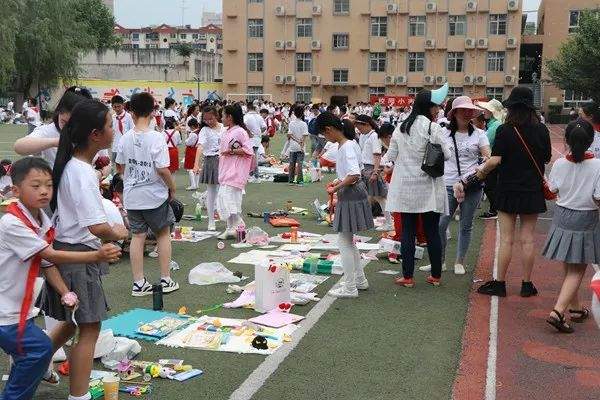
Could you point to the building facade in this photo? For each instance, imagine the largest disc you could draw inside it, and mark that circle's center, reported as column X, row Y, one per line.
column 212, row 18
column 207, row 38
column 316, row 50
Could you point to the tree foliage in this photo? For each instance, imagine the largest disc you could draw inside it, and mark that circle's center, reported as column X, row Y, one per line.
column 183, row 49
column 9, row 22
column 576, row 66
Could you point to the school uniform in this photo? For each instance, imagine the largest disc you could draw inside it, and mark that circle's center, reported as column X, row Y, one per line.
column 47, row 131
column 191, row 146
column 210, row 140
column 173, row 139
column 371, row 146
column 121, row 124
column 79, row 206
column 353, row 211
column 574, row 236
column 18, row 245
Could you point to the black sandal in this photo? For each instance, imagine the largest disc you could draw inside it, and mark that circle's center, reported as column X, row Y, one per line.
column 559, row 323
column 584, row 314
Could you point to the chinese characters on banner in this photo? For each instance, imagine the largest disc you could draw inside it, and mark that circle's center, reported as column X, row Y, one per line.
column 392, row 101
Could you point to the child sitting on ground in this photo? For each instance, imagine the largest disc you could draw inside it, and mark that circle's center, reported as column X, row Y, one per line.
column 5, row 181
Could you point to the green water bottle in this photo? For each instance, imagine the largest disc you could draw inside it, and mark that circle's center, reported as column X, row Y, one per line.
column 198, row 212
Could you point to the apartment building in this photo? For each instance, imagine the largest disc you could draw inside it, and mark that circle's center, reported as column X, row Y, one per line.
column 316, row 50
column 208, row 38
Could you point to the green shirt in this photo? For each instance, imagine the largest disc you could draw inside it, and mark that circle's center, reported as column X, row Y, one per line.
column 491, row 130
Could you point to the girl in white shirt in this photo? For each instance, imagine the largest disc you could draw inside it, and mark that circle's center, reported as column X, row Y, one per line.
column 353, row 211
column 173, row 138
column 81, row 225
column 574, row 237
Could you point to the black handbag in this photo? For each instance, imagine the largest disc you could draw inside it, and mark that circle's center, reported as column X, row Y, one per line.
column 470, row 182
column 177, row 207
column 433, row 160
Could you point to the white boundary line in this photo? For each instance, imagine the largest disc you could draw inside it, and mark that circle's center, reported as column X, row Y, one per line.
column 490, row 376
column 259, row 376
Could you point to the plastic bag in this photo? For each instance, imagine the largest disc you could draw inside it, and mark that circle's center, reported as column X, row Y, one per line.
column 111, row 348
column 257, row 236
column 211, row 273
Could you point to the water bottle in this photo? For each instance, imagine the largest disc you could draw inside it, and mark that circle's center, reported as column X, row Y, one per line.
column 198, row 212
column 157, row 297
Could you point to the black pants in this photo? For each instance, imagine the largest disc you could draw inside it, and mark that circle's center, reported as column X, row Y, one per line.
column 491, row 183
column 431, row 223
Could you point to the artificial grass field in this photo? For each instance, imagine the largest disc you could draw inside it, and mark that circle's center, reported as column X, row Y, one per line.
column 391, row 343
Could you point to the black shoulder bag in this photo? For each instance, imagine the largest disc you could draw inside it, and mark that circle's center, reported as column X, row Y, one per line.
column 470, row 182
column 433, row 160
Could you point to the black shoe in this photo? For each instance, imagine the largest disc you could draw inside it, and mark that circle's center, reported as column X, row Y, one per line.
column 527, row 289
column 493, row 288
column 489, row 215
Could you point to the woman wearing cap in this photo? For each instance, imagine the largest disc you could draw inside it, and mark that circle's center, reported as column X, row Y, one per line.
column 494, row 113
column 467, row 145
column 520, row 187
column 412, row 192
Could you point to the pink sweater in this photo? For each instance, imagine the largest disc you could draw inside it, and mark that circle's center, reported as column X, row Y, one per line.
column 234, row 169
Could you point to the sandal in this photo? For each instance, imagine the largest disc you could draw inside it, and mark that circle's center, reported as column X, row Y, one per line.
column 584, row 314
column 559, row 323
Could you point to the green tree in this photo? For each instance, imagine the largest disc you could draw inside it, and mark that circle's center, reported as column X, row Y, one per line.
column 9, row 23
column 98, row 21
column 183, row 49
column 576, row 66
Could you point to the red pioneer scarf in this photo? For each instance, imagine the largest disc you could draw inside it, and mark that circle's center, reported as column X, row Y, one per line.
column 34, row 271
column 120, row 122
column 587, row 156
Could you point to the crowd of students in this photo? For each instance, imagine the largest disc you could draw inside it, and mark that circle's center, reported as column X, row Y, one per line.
column 379, row 157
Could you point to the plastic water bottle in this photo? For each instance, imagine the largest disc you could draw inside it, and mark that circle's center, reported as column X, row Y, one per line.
column 198, row 212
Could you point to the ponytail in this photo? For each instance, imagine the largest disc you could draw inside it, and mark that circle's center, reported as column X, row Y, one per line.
column 579, row 135
column 348, row 131
column 236, row 113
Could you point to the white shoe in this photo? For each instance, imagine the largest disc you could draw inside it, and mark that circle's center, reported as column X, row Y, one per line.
column 153, row 253
column 191, row 188
column 459, row 269
column 169, row 285
column 384, row 228
column 59, row 356
column 343, row 292
column 173, row 266
column 362, row 284
column 144, row 290
column 226, row 235
column 212, row 227
column 427, row 268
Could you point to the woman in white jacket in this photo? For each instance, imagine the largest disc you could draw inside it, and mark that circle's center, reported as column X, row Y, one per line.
column 412, row 191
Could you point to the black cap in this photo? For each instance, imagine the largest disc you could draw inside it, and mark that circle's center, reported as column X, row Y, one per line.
column 520, row 95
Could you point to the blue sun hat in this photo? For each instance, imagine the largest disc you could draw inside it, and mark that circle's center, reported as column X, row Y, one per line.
column 439, row 95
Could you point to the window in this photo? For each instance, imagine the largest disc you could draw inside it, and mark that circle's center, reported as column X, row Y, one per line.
column 340, row 76
column 255, row 1
column 379, row 26
column 303, row 62
column 153, row 46
column 173, row 36
column 183, row 36
column 151, row 36
column 341, row 6
column 417, row 25
column 456, row 61
column 497, row 24
column 377, row 62
column 574, row 99
column 135, row 36
column 255, row 28
column 304, row 93
column 412, row 91
column 457, row 25
column 455, row 91
column 304, row 27
column 416, row 62
column 340, row 41
column 574, row 21
column 194, row 36
column 376, row 91
column 255, row 93
column 136, row 46
column 255, row 62
column 495, row 61
column 494, row 93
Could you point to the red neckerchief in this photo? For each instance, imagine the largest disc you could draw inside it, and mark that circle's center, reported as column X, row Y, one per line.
column 170, row 137
column 34, row 271
column 120, row 121
column 587, row 156
column 597, row 127
column 157, row 119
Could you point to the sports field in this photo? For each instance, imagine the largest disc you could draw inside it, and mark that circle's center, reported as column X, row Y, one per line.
column 391, row 343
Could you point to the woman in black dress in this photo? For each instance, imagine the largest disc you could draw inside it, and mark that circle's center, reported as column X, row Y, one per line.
column 520, row 186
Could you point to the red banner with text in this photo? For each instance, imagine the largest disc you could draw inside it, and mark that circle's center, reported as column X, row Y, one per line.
column 392, row 101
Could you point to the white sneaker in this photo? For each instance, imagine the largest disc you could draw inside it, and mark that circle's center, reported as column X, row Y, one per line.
column 362, row 284
column 173, row 266
column 427, row 268
column 153, row 253
column 212, row 227
column 191, row 188
column 226, row 235
column 59, row 356
column 384, row 228
column 343, row 293
column 459, row 269
column 169, row 285
column 141, row 290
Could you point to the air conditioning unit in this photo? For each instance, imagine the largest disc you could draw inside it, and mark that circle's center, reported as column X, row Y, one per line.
column 392, row 8
column 317, row 10
column 468, row 79
column 428, row 80
column 390, row 80
column 431, row 7
column 510, row 80
column 280, row 11
column 290, row 79
column 279, row 79
column 315, row 80
column 440, row 80
column 391, row 44
column 279, row 44
column 480, row 80
column 471, row 6
column 290, row 45
column 482, row 43
column 401, row 80
column 513, row 5
column 430, row 44
column 315, row 45
column 470, row 43
column 511, row 43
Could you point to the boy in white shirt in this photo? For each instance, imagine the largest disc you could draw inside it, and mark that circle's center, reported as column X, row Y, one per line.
column 143, row 160
column 297, row 135
column 26, row 235
column 122, row 122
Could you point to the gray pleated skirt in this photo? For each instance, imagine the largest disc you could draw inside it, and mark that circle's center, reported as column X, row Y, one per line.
column 83, row 279
column 210, row 170
column 376, row 189
column 574, row 237
column 353, row 210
